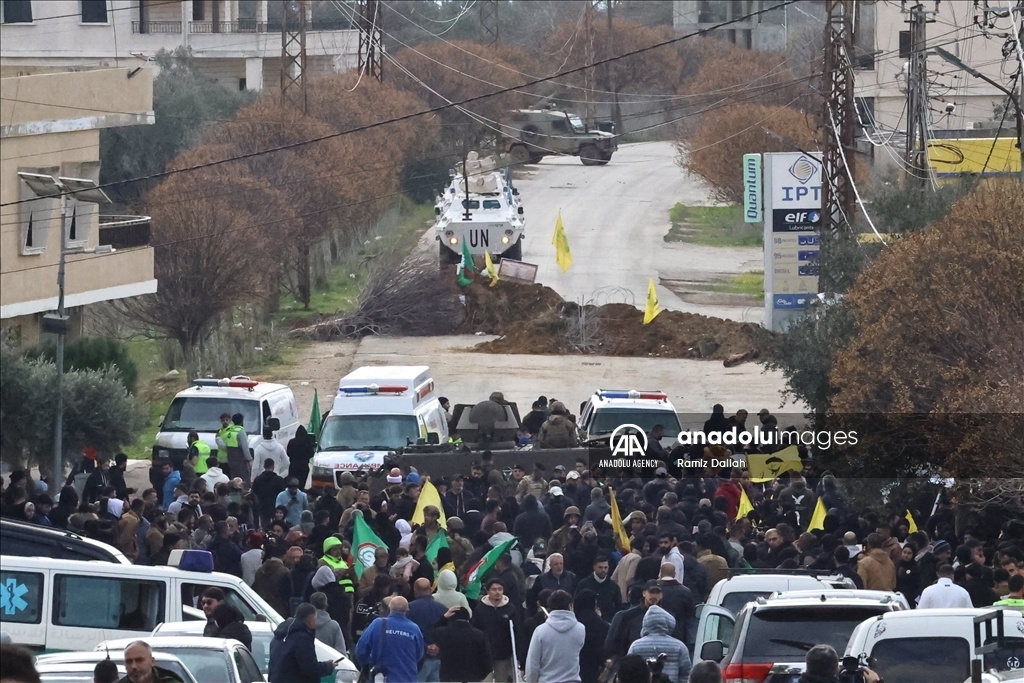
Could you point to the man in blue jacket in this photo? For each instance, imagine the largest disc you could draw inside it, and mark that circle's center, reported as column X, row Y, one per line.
column 393, row 644
column 425, row 611
column 292, row 653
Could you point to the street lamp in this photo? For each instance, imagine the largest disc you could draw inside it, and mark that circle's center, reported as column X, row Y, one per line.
column 85, row 190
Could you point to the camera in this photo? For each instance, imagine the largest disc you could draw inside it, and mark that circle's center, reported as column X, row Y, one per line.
column 950, row 107
column 851, row 670
column 656, row 665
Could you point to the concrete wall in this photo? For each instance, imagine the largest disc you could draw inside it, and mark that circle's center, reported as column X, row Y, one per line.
column 50, row 124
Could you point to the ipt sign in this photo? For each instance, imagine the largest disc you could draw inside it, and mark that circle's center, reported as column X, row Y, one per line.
column 797, row 185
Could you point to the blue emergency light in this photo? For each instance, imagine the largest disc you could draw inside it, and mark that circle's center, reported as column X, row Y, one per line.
column 372, row 389
column 225, row 382
column 633, row 394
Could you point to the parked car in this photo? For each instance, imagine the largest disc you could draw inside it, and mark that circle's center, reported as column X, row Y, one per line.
column 262, row 633
column 209, row 660
column 771, row 636
column 77, row 667
column 24, row 539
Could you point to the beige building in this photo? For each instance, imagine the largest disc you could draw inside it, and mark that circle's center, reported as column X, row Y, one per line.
column 50, row 124
column 235, row 42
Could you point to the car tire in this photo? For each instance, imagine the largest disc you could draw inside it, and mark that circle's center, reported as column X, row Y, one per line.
column 590, row 155
column 445, row 257
column 515, row 252
column 520, row 154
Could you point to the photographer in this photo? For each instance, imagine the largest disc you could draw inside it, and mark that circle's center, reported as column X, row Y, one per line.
column 822, row 666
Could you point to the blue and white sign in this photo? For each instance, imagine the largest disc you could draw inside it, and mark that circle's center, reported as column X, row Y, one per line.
column 792, row 220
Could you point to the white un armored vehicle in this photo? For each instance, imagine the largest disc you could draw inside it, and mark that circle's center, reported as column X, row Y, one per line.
column 480, row 209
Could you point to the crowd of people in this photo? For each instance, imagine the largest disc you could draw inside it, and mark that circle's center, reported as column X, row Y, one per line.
column 568, row 602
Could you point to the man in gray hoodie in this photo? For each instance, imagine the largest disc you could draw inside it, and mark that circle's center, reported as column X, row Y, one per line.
column 656, row 638
column 327, row 630
column 554, row 653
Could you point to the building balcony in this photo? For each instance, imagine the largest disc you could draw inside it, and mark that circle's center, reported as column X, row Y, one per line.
column 124, row 232
column 253, row 26
column 146, row 27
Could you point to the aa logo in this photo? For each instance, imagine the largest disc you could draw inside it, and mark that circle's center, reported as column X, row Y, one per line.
column 629, row 441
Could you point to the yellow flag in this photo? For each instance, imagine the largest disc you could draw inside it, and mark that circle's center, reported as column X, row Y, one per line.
column 621, row 537
column 563, row 257
column 765, row 467
column 913, row 524
column 429, row 496
column 745, row 505
column 818, row 518
column 652, row 309
column 491, row 270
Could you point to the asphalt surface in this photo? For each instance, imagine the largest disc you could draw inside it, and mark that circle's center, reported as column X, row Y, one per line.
column 616, row 218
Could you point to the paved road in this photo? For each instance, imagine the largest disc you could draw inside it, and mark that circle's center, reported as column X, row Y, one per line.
column 616, row 217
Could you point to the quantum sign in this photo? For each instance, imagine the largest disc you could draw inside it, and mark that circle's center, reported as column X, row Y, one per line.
column 751, row 188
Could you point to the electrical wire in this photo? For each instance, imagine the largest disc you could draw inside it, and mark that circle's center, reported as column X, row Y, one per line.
column 853, row 183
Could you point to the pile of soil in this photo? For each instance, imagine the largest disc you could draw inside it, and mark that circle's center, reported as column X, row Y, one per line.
column 533, row 319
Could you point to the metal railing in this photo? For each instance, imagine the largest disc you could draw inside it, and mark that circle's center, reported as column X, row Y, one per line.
column 156, row 27
column 125, row 232
column 274, row 26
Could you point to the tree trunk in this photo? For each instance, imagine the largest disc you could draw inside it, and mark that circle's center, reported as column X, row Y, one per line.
column 191, row 362
column 302, row 275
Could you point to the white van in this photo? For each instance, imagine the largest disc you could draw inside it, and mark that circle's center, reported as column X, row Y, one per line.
column 71, row 605
column 377, row 410
column 934, row 645
column 608, row 408
column 200, row 406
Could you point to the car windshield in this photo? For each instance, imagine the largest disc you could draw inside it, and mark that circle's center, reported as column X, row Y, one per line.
column 577, row 124
column 734, row 602
column 492, row 204
column 786, row 634
column 607, row 419
column 470, row 204
column 203, row 414
column 209, row 666
column 368, row 432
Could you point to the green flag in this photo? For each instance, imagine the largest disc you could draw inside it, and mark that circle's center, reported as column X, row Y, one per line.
column 476, row 573
column 440, row 541
column 364, row 544
column 314, row 418
column 465, row 266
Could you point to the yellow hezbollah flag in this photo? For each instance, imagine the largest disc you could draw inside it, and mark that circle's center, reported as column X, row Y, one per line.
column 765, row 467
column 428, row 496
column 913, row 524
column 621, row 537
column 563, row 257
column 818, row 518
column 652, row 309
column 491, row 270
column 745, row 506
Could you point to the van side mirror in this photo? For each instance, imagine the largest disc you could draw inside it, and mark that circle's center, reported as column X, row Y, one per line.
column 433, row 438
column 273, row 424
column 712, row 650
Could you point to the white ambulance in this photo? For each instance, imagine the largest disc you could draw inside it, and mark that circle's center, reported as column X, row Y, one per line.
column 607, row 409
column 200, row 406
column 377, row 411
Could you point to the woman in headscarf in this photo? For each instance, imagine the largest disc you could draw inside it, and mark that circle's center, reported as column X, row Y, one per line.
column 300, row 451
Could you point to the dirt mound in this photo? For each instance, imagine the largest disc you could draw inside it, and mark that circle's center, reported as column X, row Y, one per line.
column 533, row 319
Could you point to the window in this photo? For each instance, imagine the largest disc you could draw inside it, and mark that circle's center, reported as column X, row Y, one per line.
column 922, row 660
column 206, row 664
column 720, row 628
column 198, row 10
column 248, row 672
column 21, row 597
column 17, row 11
column 786, row 634
column 560, row 126
column 866, row 113
column 607, row 419
column 116, row 604
column 864, row 37
column 241, row 84
column 470, row 204
column 492, row 204
column 905, row 47
column 368, row 432
column 36, row 214
column 734, row 602
column 191, row 592
column 94, row 11
column 203, row 414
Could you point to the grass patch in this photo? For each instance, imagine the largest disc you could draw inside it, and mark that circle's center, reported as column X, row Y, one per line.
column 715, row 226
column 153, row 392
column 750, row 283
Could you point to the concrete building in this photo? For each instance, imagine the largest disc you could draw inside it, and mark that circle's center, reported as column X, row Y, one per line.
column 768, row 31
column 236, row 42
column 50, row 124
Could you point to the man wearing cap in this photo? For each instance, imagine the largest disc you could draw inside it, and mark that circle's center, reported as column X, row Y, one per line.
column 627, row 628
column 570, row 527
column 574, row 488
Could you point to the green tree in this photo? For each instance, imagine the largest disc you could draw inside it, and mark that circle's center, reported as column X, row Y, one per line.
column 94, row 353
column 185, row 103
column 98, row 410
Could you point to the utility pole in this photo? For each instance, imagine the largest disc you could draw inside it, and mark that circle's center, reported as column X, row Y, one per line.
column 917, row 96
column 616, row 111
column 838, row 201
column 489, row 21
column 371, row 40
column 293, row 54
column 1017, row 17
column 588, row 59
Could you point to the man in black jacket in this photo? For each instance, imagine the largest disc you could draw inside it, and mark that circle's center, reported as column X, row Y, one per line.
column 465, row 651
column 606, row 591
column 492, row 615
column 292, row 652
column 532, row 523
column 266, row 486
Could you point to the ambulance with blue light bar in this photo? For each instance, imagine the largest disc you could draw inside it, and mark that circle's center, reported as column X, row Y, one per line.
column 378, row 411
column 609, row 408
column 200, row 406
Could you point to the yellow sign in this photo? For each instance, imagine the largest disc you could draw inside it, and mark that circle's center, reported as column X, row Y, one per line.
column 990, row 156
column 766, row 467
